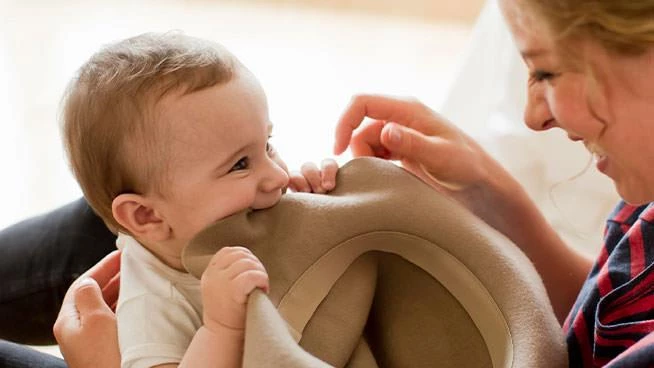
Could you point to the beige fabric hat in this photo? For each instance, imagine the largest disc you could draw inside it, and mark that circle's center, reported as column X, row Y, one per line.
column 385, row 272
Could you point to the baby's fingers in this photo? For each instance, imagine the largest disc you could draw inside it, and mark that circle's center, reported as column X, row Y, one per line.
column 298, row 183
column 328, row 174
column 228, row 255
column 245, row 282
column 243, row 265
column 244, row 275
column 313, row 176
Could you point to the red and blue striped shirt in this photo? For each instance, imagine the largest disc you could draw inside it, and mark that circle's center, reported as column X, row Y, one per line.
column 612, row 321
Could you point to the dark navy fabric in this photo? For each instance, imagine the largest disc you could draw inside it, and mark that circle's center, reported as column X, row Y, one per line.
column 39, row 259
column 612, row 321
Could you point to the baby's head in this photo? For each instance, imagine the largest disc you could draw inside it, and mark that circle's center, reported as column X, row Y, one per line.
column 166, row 134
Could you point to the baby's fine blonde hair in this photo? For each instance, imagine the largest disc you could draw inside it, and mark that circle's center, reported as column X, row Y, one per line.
column 622, row 26
column 110, row 129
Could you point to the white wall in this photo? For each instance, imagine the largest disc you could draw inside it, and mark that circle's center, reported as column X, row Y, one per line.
column 309, row 62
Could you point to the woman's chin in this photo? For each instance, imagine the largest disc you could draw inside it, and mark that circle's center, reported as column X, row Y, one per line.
column 634, row 196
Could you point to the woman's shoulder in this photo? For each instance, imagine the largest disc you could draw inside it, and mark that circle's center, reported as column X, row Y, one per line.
column 627, row 214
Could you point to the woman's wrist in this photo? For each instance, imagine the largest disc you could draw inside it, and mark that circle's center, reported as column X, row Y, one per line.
column 504, row 204
column 494, row 186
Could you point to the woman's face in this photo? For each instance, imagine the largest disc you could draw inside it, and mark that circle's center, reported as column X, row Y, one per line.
column 604, row 100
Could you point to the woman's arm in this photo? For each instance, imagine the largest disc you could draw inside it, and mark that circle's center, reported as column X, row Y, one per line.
column 505, row 205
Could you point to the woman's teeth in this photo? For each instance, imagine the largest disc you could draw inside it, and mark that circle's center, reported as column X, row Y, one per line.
column 596, row 151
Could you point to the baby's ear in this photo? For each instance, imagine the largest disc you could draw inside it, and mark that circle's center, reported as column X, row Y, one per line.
column 138, row 215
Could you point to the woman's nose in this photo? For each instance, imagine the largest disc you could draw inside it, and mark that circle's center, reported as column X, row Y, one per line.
column 537, row 115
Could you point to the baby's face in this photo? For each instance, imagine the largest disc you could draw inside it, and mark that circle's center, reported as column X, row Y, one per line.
column 220, row 158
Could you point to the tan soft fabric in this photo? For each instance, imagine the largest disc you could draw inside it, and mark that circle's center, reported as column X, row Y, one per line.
column 385, row 272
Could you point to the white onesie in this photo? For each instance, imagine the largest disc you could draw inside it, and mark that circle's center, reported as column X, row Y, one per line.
column 159, row 308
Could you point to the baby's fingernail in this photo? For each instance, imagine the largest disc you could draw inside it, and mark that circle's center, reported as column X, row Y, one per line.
column 328, row 185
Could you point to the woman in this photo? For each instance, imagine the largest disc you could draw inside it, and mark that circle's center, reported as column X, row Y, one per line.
column 591, row 69
column 592, row 75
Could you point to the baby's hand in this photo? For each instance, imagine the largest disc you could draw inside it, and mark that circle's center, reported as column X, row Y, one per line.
column 231, row 275
column 313, row 180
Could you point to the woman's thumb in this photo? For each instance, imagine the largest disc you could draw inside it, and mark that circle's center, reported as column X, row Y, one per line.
column 401, row 141
column 88, row 297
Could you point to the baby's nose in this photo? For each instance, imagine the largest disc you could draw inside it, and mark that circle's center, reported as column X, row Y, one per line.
column 275, row 178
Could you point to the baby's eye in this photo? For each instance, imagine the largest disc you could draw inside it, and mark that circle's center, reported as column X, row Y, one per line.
column 269, row 147
column 241, row 164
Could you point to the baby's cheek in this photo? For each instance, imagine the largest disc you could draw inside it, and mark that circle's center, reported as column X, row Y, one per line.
column 234, row 203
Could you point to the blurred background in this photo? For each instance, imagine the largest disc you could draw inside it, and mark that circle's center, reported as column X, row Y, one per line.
column 311, row 56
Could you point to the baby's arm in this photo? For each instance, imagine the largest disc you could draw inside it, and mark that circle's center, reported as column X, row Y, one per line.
column 311, row 179
column 226, row 283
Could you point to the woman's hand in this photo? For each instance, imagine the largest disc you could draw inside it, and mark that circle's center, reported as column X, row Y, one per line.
column 86, row 326
column 442, row 155
column 427, row 144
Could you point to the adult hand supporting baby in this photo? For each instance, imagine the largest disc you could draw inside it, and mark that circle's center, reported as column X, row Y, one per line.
column 86, row 326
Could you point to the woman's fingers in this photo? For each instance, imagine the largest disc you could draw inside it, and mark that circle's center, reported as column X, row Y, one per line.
column 88, row 298
column 405, row 129
column 68, row 318
column 366, row 140
column 105, row 270
column 406, row 143
column 102, row 275
column 111, row 290
column 86, row 326
column 394, row 141
column 403, row 111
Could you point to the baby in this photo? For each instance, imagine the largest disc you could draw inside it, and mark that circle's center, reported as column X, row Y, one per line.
column 167, row 134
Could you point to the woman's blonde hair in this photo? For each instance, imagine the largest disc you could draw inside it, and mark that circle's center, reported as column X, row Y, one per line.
column 623, row 26
column 109, row 118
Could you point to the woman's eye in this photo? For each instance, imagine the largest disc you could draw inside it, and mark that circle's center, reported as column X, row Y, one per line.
column 241, row 164
column 541, row 75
